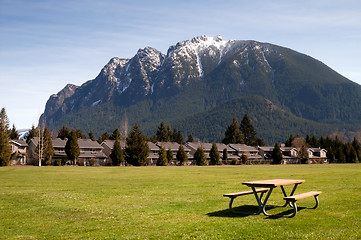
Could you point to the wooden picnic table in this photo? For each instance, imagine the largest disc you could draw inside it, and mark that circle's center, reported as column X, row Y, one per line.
column 267, row 187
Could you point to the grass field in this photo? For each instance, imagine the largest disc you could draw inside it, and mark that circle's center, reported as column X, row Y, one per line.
column 172, row 203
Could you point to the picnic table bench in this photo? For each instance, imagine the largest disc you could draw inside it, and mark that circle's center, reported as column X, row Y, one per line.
column 267, row 187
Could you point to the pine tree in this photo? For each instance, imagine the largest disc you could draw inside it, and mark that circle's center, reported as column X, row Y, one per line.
column 169, row 156
column 117, row 154
column 137, row 150
column 115, row 134
column 357, row 147
column 190, row 138
column 31, row 134
column 162, row 157
column 181, row 155
column 48, row 147
column 162, row 134
column 63, row 133
column 91, row 135
column 72, row 148
column 277, row 154
column 247, row 129
column 200, row 157
column 80, row 134
column 214, row 155
column 5, row 149
column 103, row 137
column 14, row 133
column 233, row 133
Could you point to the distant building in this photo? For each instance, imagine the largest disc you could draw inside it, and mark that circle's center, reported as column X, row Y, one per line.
column 19, row 151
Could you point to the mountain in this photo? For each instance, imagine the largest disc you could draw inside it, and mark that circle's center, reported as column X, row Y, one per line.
column 209, row 80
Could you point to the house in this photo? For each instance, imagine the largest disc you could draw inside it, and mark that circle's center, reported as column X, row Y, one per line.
column 317, row 155
column 193, row 146
column 18, row 150
column 289, row 155
column 266, row 152
column 108, row 147
column 153, row 153
column 90, row 151
column 174, row 147
column 251, row 153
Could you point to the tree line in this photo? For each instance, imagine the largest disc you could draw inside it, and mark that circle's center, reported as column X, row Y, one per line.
column 137, row 150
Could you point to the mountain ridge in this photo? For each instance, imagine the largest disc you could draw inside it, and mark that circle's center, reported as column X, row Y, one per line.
column 205, row 72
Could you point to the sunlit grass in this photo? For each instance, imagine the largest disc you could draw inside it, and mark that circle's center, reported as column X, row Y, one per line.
column 171, row 203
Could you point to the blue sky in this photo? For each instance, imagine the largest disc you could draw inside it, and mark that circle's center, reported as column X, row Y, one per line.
column 46, row 44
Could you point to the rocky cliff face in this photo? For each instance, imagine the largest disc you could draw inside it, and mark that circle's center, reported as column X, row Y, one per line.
column 207, row 71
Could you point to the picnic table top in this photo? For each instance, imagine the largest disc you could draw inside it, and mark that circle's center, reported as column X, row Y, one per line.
column 272, row 182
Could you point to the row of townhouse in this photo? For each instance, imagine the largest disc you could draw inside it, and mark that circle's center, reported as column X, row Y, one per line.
column 93, row 153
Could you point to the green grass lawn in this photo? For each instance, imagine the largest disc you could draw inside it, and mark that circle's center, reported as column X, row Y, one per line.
column 172, row 203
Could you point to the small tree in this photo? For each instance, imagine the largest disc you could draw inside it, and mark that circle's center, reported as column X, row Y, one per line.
column 233, row 133
column 137, row 151
column 169, row 155
column 247, row 129
column 72, row 149
column 181, row 155
column 5, row 149
column 117, row 154
column 200, row 157
column 91, row 135
column 162, row 134
column 32, row 133
column 162, row 157
column 63, row 133
column 190, row 138
column 48, row 147
column 244, row 158
column 277, row 154
column 115, row 135
column 302, row 154
column 14, row 133
column 214, row 155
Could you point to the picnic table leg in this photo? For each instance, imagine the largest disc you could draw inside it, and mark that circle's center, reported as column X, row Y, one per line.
column 259, row 200
column 285, row 195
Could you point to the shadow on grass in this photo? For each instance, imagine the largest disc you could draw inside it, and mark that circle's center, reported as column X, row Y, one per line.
column 227, row 212
column 251, row 209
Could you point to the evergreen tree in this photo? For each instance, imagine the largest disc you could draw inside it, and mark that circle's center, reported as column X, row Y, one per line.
column 162, row 134
column 200, row 157
column 177, row 136
column 233, row 133
column 214, row 155
column 181, row 155
column 48, row 147
column 103, row 137
column 249, row 134
column 4, row 119
column 137, row 150
column 14, row 133
column 91, row 135
column 289, row 141
column 115, row 134
column 277, row 154
column 225, row 156
column 31, row 134
column 72, row 149
column 357, row 147
column 117, row 154
column 63, row 133
column 5, row 149
column 190, row 138
column 162, row 157
column 80, row 134
column 169, row 156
